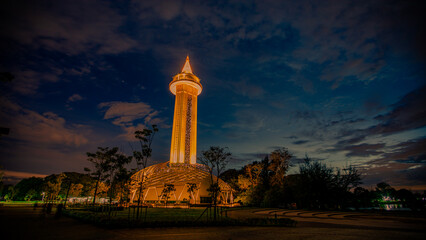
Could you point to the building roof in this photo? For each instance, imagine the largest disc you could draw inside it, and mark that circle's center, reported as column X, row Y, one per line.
column 178, row 174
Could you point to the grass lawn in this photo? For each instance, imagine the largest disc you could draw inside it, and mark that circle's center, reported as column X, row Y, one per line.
column 19, row 203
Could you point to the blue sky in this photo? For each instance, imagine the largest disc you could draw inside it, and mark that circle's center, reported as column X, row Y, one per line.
column 341, row 81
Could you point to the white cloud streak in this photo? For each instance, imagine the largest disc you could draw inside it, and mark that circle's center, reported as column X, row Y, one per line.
column 127, row 115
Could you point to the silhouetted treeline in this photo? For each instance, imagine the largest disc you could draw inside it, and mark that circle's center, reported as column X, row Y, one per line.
column 32, row 188
column 315, row 186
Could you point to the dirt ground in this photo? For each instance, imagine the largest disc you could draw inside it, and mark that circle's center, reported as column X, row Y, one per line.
column 26, row 223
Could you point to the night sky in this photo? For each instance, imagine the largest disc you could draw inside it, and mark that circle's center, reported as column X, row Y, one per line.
column 340, row 81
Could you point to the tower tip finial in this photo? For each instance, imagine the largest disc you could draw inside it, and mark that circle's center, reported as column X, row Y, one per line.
column 187, row 67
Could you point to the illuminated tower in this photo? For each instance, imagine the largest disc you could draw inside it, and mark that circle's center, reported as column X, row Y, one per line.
column 186, row 86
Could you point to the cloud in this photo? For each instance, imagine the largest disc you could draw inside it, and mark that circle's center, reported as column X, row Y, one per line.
column 79, row 71
column 360, row 150
column 406, row 114
column 125, row 112
column 22, row 174
column 13, row 177
column 346, row 121
column 240, row 105
column 340, row 43
column 347, row 42
column 167, row 9
column 300, row 142
column 248, row 120
column 409, row 152
column 395, row 174
column 42, row 158
column 373, row 104
column 41, row 142
column 28, row 81
column 364, row 150
column 247, row 89
column 352, row 140
column 239, row 160
column 354, row 70
column 400, row 164
column 258, row 156
column 306, row 115
column 47, row 128
column 67, row 27
column 75, row 97
column 291, row 137
column 127, row 115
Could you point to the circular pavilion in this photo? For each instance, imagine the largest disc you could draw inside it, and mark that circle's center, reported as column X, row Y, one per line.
column 181, row 176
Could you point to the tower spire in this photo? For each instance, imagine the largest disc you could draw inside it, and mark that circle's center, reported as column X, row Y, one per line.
column 187, row 67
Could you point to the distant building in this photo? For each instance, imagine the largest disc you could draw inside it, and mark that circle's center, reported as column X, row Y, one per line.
column 87, row 200
column 182, row 169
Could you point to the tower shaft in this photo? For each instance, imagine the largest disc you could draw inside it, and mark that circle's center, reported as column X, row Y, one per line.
column 184, row 136
column 186, row 86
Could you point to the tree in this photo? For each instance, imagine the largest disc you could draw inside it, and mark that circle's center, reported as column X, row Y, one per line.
column 145, row 139
column 102, row 189
column 348, row 179
column 167, row 189
column 406, row 197
column 344, row 182
column 279, row 162
column 266, row 178
column 86, row 180
column 385, row 191
column 253, row 172
column 363, row 197
column 69, row 183
column 320, row 186
column 315, row 184
column 216, row 159
column 75, row 189
column 53, row 187
column 30, row 195
column 122, row 179
column 115, row 165
column 230, row 176
column 244, row 189
column 28, row 184
column 191, row 188
column 257, row 175
column 12, row 191
column 100, row 165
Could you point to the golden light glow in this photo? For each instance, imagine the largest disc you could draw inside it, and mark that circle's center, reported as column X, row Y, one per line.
column 186, row 86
